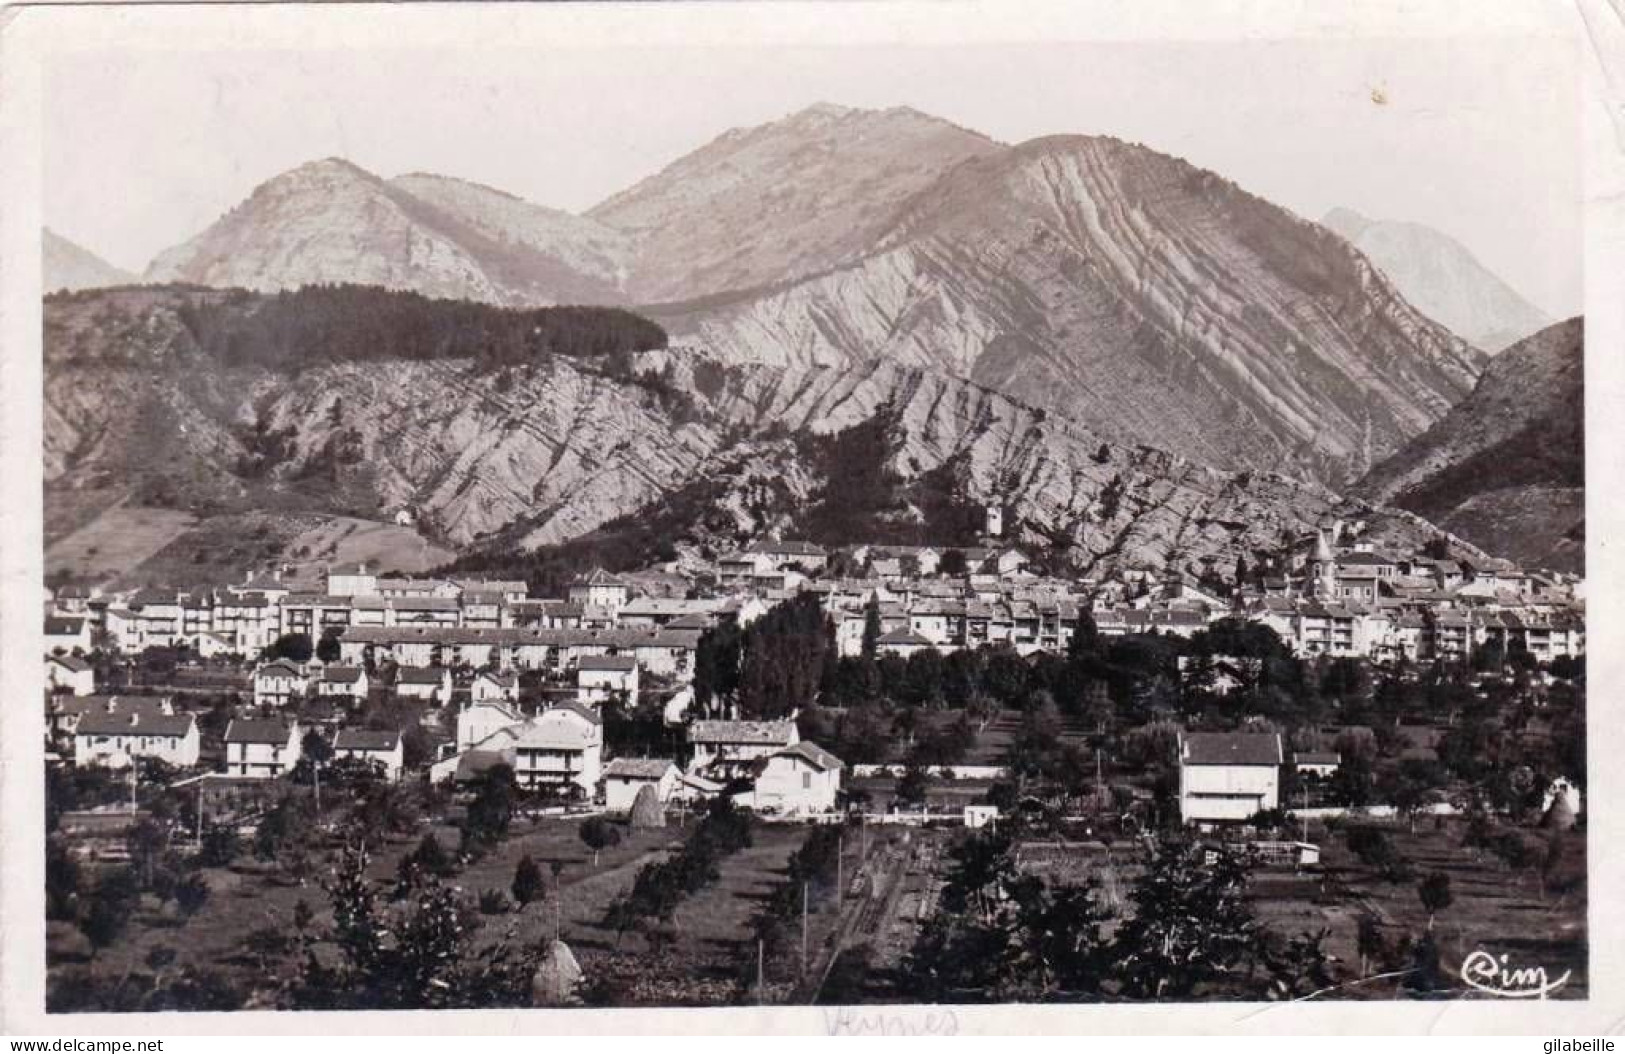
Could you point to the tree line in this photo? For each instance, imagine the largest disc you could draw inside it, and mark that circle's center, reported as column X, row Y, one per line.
column 660, row 887
column 321, row 324
column 1004, row 934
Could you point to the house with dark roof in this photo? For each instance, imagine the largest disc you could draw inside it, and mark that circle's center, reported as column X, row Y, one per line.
column 343, row 682
column 432, row 684
column 279, row 682
column 67, row 633
column 262, row 748
column 1321, row 764
column 383, row 747
column 123, row 731
column 902, row 643
column 1228, row 776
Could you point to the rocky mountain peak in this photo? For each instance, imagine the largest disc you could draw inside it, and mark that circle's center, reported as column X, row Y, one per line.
column 789, row 198
column 1442, row 278
column 1107, row 281
column 328, row 173
column 67, row 265
column 1347, row 222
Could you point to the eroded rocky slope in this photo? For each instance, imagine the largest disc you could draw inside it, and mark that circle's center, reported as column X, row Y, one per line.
column 1505, row 469
column 540, row 453
column 1129, row 290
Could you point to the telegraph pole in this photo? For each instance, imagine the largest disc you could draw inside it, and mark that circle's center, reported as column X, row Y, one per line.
column 840, row 874
column 761, row 985
column 804, row 929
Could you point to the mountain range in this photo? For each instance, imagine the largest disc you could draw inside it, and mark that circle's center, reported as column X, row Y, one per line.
column 1442, row 279
column 1048, row 300
column 1099, row 279
column 146, row 394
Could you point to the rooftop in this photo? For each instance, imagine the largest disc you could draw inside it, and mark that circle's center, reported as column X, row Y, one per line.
column 1230, row 748
column 614, row 663
column 638, row 768
column 763, row 732
column 366, row 739
column 813, row 754
column 249, row 730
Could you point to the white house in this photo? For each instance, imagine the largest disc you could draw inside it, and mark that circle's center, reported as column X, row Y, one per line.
column 381, row 746
column 601, row 590
column 131, row 729
column 1228, row 776
column 977, row 816
column 734, row 746
column 431, row 684
column 352, row 580
column 1322, row 764
column 782, row 555
column 494, row 686
column 742, row 569
column 803, row 778
column 479, row 719
column 600, row 678
column 279, row 683
column 211, row 644
column 69, row 673
column 262, row 749
column 563, row 747
column 625, row 777
column 343, row 682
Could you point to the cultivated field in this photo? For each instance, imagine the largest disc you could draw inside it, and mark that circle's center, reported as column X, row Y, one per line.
column 176, row 549
column 1492, row 908
column 119, row 538
column 249, row 901
column 345, row 539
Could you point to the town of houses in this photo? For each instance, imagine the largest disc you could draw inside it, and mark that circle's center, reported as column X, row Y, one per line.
column 461, row 648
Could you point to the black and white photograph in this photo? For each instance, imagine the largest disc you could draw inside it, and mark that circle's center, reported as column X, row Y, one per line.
column 776, row 519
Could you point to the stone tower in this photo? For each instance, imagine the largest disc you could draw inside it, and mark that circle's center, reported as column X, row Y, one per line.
column 1324, row 566
column 995, row 521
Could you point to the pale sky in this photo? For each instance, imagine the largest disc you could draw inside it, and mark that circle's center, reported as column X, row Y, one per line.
column 1478, row 138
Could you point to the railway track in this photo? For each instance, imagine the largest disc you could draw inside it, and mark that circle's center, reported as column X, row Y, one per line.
column 878, row 888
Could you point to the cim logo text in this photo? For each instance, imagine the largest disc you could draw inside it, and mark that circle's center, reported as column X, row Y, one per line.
column 1488, row 973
